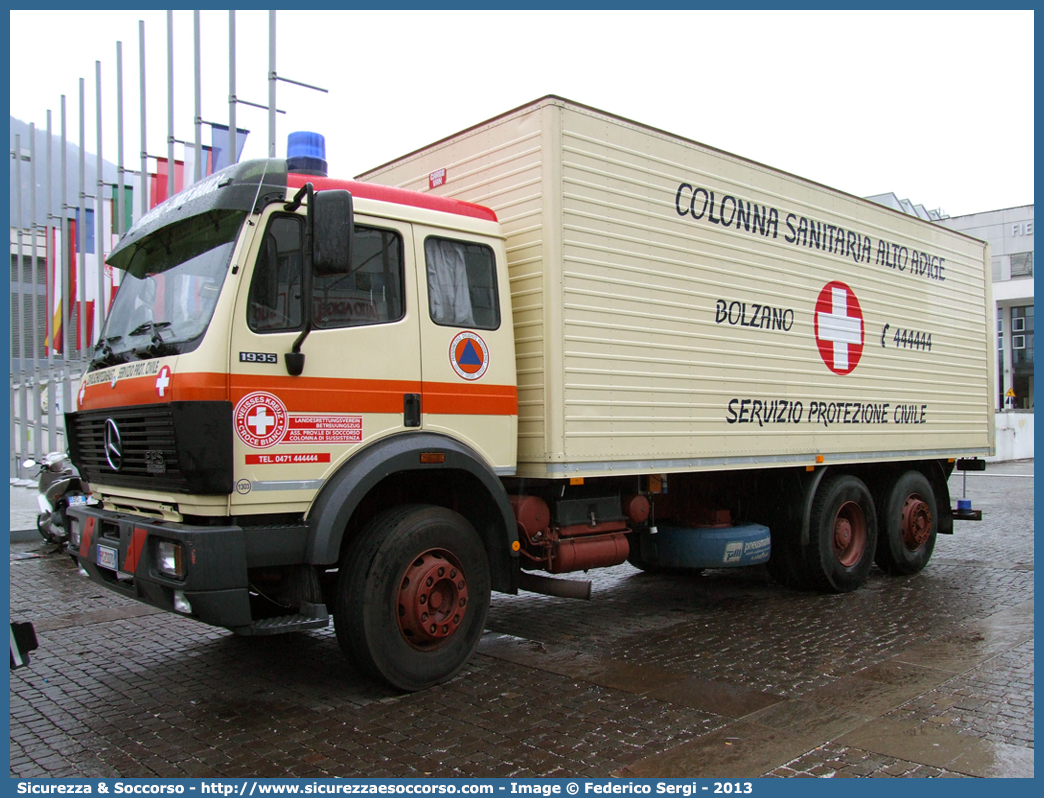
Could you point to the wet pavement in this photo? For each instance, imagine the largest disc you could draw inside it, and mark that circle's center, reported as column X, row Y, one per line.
column 721, row 675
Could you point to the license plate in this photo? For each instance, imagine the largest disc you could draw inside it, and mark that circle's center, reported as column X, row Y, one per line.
column 107, row 558
column 77, row 499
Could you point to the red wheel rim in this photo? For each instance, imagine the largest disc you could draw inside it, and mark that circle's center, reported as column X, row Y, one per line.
column 432, row 599
column 849, row 534
column 915, row 524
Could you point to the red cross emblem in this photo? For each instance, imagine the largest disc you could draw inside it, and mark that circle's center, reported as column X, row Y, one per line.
column 260, row 420
column 163, row 381
column 839, row 327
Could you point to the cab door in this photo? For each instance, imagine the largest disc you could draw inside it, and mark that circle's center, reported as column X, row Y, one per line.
column 467, row 342
column 362, row 376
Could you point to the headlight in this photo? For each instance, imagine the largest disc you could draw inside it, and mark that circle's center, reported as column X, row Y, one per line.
column 169, row 560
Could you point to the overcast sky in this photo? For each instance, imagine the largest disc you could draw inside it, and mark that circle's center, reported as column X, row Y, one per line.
column 934, row 106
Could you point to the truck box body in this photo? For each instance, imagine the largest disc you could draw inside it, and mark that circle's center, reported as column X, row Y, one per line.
column 680, row 308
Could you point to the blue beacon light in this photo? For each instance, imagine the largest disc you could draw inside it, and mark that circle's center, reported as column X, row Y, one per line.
column 306, row 153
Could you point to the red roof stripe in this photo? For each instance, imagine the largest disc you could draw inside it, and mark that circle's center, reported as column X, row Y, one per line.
column 399, row 196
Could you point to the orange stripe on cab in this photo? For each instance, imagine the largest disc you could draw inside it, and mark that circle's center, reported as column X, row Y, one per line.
column 470, row 400
column 190, row 387
column 310, row 394
column 328, row 394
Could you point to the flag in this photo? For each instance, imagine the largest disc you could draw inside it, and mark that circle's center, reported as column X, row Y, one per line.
column 54, row 275
column 88, row 233
column 158, row 192
column 76, row 304
column 189, row 156
column 126, row 207
column 89, row 304
column 219, row 146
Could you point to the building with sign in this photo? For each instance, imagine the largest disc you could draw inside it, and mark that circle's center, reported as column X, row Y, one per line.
column 1009, row 232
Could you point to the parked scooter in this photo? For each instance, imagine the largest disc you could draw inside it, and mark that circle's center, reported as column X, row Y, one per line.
column 60, row 487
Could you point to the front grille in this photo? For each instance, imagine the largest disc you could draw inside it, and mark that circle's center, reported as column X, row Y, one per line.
column 180, row 447
column 148, row 428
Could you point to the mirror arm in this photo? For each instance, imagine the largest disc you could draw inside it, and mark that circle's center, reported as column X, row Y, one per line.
column 295, row 203
column 295, row 357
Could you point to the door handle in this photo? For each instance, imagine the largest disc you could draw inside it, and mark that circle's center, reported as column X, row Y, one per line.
column 411, row 410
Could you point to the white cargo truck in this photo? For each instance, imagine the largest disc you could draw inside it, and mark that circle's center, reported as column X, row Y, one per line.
column 557, row 341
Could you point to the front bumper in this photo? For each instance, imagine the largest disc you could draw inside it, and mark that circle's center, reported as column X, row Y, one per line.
column 215, row 560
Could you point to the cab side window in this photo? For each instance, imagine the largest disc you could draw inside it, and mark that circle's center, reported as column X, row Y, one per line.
column 370, row 293
column 275, row 292
column 462, row 284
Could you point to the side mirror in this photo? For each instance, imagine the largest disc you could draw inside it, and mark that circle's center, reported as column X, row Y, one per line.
column 328, row 251
column 332, row 219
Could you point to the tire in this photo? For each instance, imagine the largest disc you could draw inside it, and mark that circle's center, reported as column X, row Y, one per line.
column 43, row 526
column 842, row 535
column 909, row 519
column 405, row 560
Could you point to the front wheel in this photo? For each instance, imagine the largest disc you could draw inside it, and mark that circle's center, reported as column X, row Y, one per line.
column 45, row 526
column 909, row 524
column 842, row 534
column 412, row 596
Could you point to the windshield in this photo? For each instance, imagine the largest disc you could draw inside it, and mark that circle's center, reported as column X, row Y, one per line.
column 169, row 289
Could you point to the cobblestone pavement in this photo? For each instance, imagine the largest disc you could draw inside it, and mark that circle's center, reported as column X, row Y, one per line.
column 724, row 675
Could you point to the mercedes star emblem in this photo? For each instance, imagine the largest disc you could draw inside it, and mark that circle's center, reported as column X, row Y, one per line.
column 113, row 445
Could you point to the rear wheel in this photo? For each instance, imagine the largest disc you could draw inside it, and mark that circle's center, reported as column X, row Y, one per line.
column 909, row 524
column 842, row 535
column 412, row 596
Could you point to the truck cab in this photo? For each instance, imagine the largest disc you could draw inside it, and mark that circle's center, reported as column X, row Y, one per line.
column 288, row 359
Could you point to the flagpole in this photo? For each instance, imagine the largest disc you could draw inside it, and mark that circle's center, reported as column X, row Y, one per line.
column 64, row 270
column 23, row 402
column 81, row 241
column 52, row 438
column 231, row 88
column 37, row 414
column 144, row 202
column 198, row 171
column 170, row 104
column 271, row 84
column 121, row 210
column 99, row 214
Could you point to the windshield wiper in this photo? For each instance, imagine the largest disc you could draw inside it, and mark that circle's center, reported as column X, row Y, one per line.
column 150, row 326
column 104, row 356
column 157, row 347
column 154, row 350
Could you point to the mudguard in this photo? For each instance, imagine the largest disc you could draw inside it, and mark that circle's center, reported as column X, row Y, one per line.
column 342, row 494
